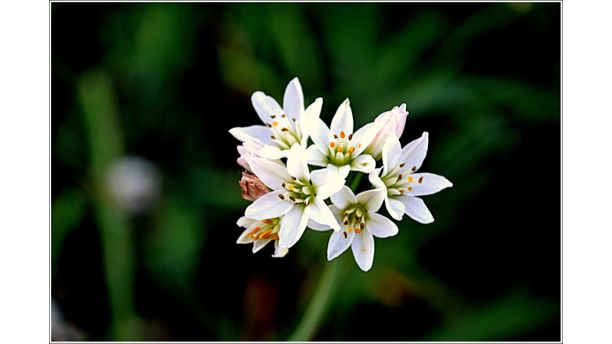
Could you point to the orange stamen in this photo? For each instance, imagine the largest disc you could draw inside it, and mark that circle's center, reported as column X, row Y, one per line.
column 332, row 144
column 342, row 134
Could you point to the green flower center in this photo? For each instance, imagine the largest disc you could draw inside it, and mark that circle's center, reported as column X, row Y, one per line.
column 341, row 149
column 284, row 131
column 266, row 229
column 400, row 180
column 354, row 218
column 299, row 191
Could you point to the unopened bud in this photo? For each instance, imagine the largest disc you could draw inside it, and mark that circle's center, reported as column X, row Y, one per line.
column 252, row 187
column 391, row 122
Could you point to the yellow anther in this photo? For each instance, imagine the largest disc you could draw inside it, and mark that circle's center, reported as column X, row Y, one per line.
column 340, row 149
column 253, row 232
column 410, row 179
column 350, row 229
column 351, row 150
column 265, row 234
column 275, row 123
column 410, row 188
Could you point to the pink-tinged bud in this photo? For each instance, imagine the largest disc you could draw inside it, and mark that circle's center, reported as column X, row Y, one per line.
column 252, row 187
column 392, row 122
column 248, row 149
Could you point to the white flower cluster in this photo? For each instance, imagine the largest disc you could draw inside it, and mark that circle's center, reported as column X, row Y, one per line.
column 278, row 154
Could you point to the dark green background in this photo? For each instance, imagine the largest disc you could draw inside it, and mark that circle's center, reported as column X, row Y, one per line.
column 166, row 82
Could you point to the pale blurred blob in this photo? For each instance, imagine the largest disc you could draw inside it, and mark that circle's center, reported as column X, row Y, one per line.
column 133, row 184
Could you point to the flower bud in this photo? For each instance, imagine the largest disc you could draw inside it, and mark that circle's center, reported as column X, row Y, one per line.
column 252, row 187
column 392, row 122
column 247, row 149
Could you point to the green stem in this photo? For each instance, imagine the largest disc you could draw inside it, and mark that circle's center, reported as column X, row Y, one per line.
column 316, row 308
column 356, row 181
column 105, row 143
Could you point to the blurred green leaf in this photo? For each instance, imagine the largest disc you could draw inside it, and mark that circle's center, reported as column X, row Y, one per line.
column 173, row 247
column 509, row 317
column 397, row 60
column 300, row 56
column 244, row 73
column 68, row 209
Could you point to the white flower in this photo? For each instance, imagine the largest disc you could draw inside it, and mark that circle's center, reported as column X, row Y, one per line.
column 283, row 126
column 360, row 224
column 401, row 182
column 338, row 147
column 392, row 121
column 297, row 195
column 260, row 233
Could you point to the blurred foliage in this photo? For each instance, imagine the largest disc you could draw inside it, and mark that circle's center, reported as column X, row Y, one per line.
column 166, row 81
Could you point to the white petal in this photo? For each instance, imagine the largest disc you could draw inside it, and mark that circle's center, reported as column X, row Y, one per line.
column 293, row 100
column 380, row 226
column 253, row 132
column 321, row 213
column 372, row 199
column 244, row 221
column 416, row 209
column 268, row 206
column 309, row 119
column 391, row 152
column 279, row 251
column 414, row 153
column 265, row 106
column 296, row 162
column 312, row 224
column 395, row 208
column 271, row 173
column 343, row 119
column 292, row 225
column 326, row 182
column 319, row 133
column 343, row 198
column 363, row 137
column 315, row 157
column 338, row 243
column 363, row 163
column 363, row 250
column 271, row 153
column 244, row 237
column 259, row 244
column 374, row 178
column 342, row 171
column 430, row 184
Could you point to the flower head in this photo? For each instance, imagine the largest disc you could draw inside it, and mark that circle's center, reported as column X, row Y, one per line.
column 297, row 195
column 338, row 147
column 359, row 225
column 402, row 183
column 391, row 122
column 283, row 126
